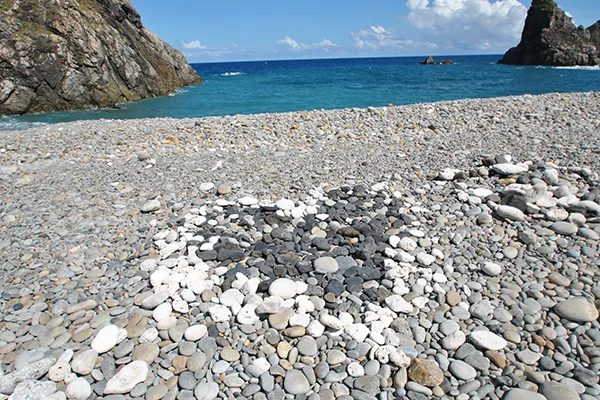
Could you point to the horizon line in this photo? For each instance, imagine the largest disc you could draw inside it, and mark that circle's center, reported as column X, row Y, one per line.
column 342, row 58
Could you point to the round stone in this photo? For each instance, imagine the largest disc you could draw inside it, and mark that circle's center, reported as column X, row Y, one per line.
column 207, row 391
column 326, row 265
column 295, row 382
column 354, row 369
column 79, row 389
column 425, row 372
column 283, row 287
column 147, row 352
column 462, row 370
column 229, row 354
column 578, row 310
column 307, row 346
column 195, row 332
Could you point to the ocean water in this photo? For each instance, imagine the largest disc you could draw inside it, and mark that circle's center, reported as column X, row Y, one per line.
column 279, row 86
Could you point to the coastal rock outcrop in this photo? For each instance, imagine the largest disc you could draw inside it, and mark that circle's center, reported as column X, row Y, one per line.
column 551, row 38
column 73, row 54
column 430, row 61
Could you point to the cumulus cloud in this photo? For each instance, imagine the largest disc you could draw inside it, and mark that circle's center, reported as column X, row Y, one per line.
column 193, row 44
column 377, row 37
column 472, row 24
column 325, row 45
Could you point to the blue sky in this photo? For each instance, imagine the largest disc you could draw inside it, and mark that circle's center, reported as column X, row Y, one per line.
column 235, row 30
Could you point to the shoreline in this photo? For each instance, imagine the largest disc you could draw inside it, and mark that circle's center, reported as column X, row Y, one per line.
column 87, row 203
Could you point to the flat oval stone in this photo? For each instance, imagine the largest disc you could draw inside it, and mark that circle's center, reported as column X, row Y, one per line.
column 522, row 394
column 578, row 310
column 488, row 340
column 295, row 382
column 512, row 213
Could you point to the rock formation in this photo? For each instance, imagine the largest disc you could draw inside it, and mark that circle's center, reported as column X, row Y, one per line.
column 430, row 61
column 71, row 54
column 551, row 38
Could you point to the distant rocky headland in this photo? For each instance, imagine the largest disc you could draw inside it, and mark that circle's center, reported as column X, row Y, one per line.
column 551, row 38
column 74, row 54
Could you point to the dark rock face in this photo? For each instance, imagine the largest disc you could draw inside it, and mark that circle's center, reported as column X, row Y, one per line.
column 551, row 38
column 72, row 54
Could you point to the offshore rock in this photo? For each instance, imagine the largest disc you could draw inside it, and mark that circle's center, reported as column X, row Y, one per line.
column 77, row 54
column 551, row 38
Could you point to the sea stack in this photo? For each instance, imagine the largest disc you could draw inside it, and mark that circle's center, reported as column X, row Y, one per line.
column 551, row 38
column 76, row 54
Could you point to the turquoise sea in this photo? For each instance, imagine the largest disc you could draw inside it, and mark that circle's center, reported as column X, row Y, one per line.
column 276, row 86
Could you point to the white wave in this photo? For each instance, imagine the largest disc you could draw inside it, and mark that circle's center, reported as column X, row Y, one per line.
column 232, row 73
column 579, row 67
column 13, row 124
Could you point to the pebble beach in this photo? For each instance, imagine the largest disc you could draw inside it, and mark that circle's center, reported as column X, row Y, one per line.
column 439, row 250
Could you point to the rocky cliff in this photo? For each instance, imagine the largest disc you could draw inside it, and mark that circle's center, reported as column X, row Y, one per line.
column 70, row 54
column 551, row 38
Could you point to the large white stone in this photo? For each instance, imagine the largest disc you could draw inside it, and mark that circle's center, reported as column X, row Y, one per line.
column 358, row 332
column 232, row 297
column 247, row 315
column 106, row 339
column 283, row 287
column 488, row 340
column 396, row 303
column 508, row 169
column 219, row 313
column 285, row 204
column 195, row 332
column 126, row 379
column 85, row 362
column 491, row 269
column 79, row 389
column 331, row 321
column 161, row 312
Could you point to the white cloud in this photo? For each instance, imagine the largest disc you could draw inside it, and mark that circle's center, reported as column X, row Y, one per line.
column 471, row 24
column 325, row 45
column 193, row 44
column 377, row 37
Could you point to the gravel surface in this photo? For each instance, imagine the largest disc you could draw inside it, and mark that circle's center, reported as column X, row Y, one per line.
column 446, row 249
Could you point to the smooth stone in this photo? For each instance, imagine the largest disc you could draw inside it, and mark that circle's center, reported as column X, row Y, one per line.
column 195, row 333
column 522, row 394
column 79, row 389
column 564, row 228
column 578, row 310
column 126, row 379
column 106, row 339
column 150, row 206
column 487, row 340
column 295, row 382
column 558, row 391
column 206, row 391
column 491, row 269
column 512, row 213
column 307, row 346
column 84, row 363
column 283, row 287
column 462, row 370
column 326, row 265
column 147, row 352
